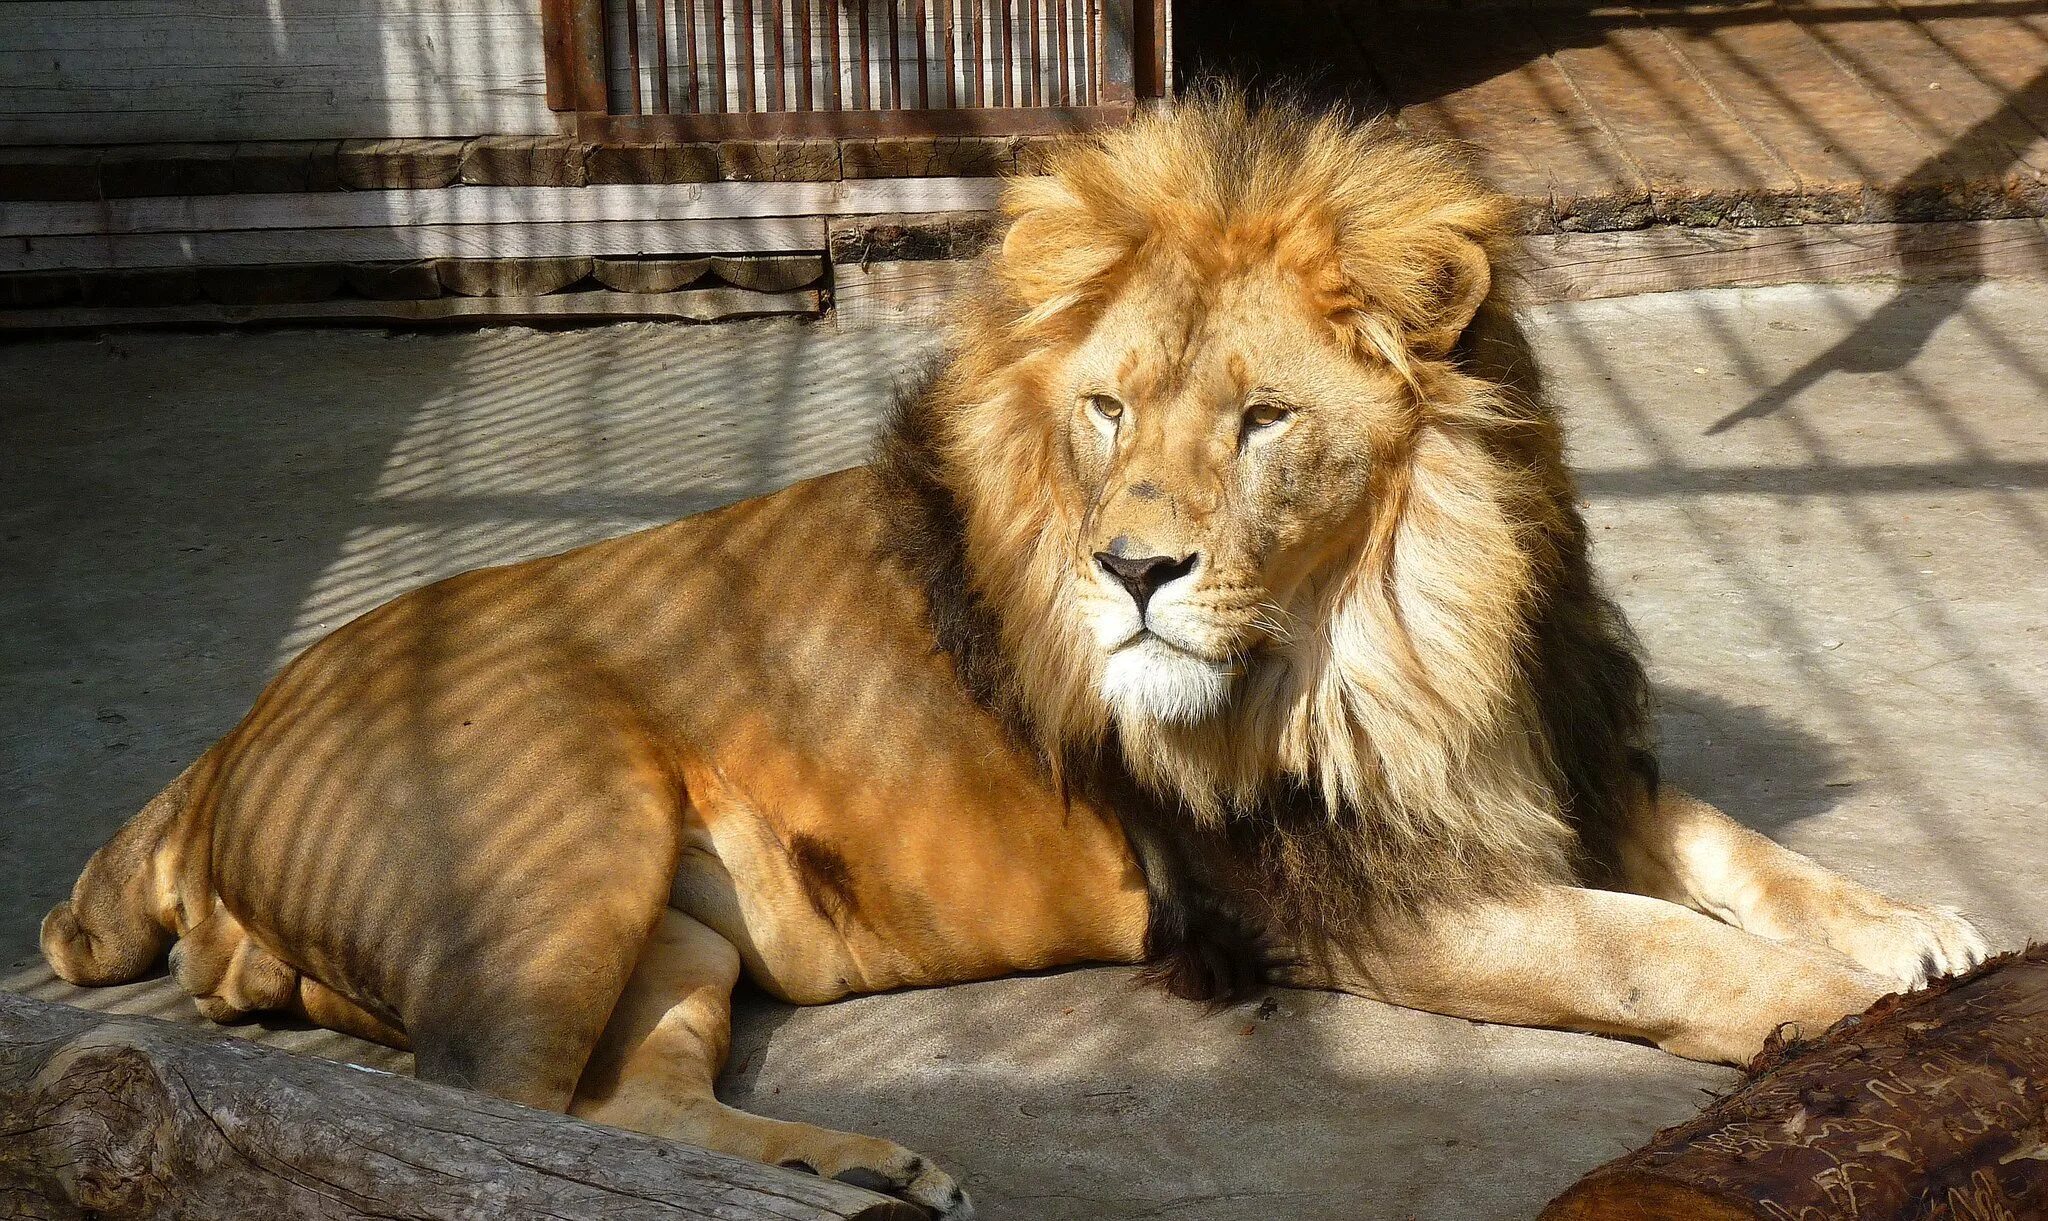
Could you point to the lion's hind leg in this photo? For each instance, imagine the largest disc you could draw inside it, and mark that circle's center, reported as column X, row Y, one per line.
column 1681, row 849
column 655, row 1066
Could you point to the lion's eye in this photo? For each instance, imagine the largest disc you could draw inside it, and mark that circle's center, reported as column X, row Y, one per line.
column 1106, row 407
column 1264, row 415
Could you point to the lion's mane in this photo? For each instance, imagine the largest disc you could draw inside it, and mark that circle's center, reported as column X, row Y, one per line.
column 1459, row 713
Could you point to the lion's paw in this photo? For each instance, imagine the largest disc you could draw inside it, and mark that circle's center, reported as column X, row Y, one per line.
column 906, row 1176
column 1910, row 943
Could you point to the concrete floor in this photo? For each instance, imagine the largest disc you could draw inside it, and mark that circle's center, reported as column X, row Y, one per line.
column 1827, row 511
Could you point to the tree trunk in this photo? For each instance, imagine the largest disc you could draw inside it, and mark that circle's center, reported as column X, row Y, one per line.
column 1931, row 1105
column 128, row 1117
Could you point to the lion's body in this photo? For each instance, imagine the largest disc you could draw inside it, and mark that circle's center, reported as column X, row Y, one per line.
column 1221, row 601
column 596, row 734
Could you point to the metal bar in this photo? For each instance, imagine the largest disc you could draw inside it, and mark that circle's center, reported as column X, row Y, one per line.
column 863, row 59
column 895, row 58
column 718, row 54
column 973, row 34
column 1036, row 94
column 590, row 91
column 633, row 52
column 1063, row 62
column 829, row 10
column 556, row 37
column 1005, row 70
column 693, row 93
column 1091, row 50
column 856, row 124
column 924, row 57
column 776, row 99
column 947, row 30
column 743, row 31
column 660, row 12
column 800, row 17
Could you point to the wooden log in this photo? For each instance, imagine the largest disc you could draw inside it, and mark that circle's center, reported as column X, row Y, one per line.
column 523, row 161
column 131, row 1117
column 396, row 165
column 272, row 285
column 649, row 275
column 1931, row 1105
column 411, row 281
column 770, row 273
column 510, row 277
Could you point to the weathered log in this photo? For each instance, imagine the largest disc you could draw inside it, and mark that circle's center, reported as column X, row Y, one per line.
column 130, row 1117
column 1931, row 1105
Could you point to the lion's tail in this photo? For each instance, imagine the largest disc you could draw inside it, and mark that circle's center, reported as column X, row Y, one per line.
column 114, row 927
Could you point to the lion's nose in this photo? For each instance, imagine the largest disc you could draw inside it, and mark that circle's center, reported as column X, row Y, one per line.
column 1142, row 575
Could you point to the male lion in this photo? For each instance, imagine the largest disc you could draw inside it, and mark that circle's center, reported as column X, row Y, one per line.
column 1218, row 603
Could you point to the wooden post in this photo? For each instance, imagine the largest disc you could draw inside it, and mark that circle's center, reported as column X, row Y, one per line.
column 1932, row 1105
column 123, row 1117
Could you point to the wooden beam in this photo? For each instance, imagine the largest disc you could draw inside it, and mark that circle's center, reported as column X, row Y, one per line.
column 1579, row 266
column 130, row 1118
column 363, row 245
column 499, row 206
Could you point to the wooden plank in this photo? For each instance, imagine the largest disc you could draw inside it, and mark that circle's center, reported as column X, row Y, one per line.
column 1484, row 79
column 130, row 1117
column 690, row 305
column 1583, row 266
column 1966, row 122
column 500, row 205
column 1818, row 119
column 1702, row 167
column 918, row 292
column 518, row 240
column 143, row 71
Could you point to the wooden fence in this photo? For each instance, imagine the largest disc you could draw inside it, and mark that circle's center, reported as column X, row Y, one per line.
column 753, row 69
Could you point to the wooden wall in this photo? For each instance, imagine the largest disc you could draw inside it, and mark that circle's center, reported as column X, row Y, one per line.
column 145, row 71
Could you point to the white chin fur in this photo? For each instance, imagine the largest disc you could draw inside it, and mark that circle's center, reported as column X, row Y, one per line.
column 1153, row 681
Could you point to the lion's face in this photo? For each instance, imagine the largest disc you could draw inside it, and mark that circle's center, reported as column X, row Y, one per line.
column 1222, row 441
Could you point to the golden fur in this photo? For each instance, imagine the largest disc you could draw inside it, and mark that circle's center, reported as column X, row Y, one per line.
column 1401, row 698
column 1223, row 585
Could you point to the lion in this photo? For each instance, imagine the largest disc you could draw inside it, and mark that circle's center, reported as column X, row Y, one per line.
column 1217, row 602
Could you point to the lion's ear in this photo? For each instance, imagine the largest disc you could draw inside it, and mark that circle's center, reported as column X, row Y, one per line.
column 1454, row 295
column 1426, row 280
column 1055, row 255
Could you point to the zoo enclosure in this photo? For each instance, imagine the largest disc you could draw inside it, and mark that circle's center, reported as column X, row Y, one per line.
column 652, row 70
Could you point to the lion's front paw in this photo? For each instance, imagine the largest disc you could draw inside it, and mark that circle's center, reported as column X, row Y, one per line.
column 1907, row 942
column 899, row 1173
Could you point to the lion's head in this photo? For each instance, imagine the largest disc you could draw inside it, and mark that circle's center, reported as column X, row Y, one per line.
column 1254, row 492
